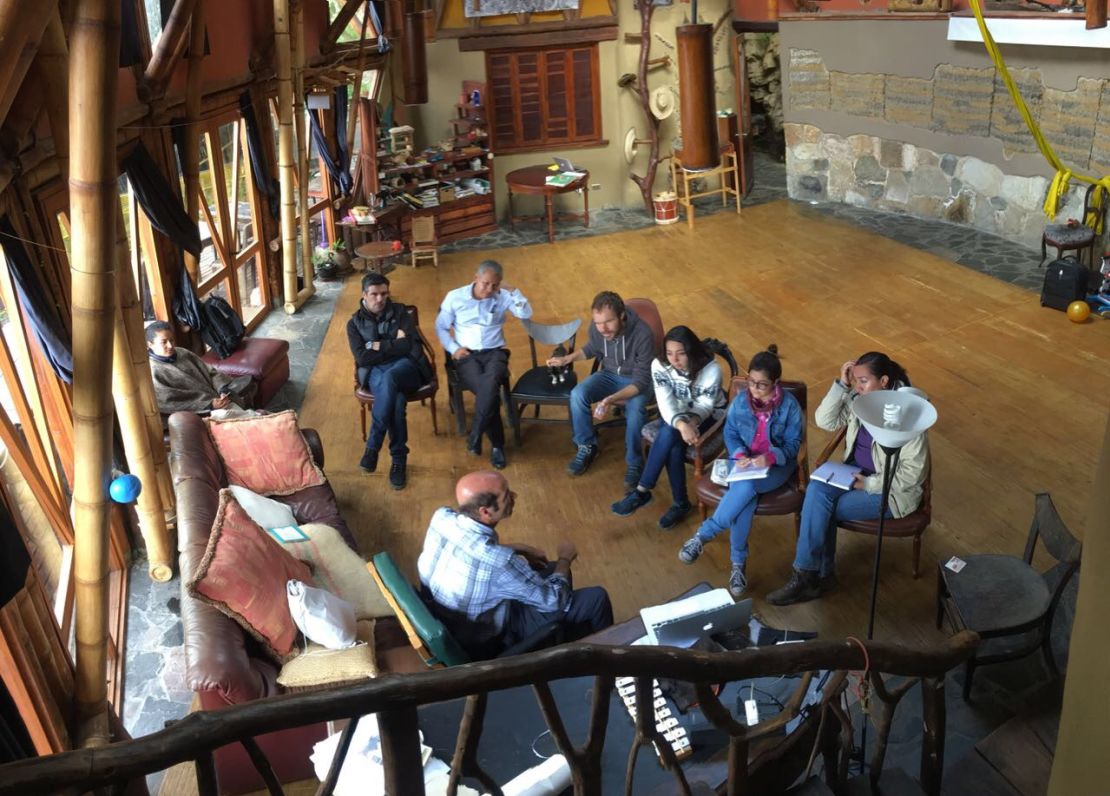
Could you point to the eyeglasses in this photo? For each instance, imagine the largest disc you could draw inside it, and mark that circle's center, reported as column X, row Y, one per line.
column 761, row 385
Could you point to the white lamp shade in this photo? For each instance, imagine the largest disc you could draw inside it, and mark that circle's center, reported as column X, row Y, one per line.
column 894, row 417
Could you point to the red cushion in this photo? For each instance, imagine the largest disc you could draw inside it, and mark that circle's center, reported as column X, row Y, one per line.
column 255, row 356
column 266, row 454
column 243, row 575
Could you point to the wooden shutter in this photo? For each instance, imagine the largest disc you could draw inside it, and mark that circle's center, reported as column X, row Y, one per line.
column 543, row 98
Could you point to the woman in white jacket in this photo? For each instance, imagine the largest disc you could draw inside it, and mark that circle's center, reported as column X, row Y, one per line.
column 825, row 505
column 688, row 392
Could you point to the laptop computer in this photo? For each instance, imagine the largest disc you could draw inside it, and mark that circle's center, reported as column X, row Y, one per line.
column 564, row 165
column 684, row 631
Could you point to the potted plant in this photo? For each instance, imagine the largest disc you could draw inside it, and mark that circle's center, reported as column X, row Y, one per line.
column 339, row 254
column 324, row 264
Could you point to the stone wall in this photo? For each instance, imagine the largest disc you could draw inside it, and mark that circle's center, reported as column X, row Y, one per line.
column 869, row 171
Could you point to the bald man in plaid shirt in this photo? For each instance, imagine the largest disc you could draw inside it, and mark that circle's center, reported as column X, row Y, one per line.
column 490, row 594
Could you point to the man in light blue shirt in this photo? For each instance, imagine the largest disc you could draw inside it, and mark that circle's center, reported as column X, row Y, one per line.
column 475, row 315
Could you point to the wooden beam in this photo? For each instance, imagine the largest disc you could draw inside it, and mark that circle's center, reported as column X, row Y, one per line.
column 190, row 155
column 21, row 27
column 551, row 38
column 94, row 203
column 164, row 58
column 535, row 27
column 50, row 73
column 339, row 24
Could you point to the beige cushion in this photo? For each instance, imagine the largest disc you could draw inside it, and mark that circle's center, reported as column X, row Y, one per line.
column 340, row 570
column 319, row 667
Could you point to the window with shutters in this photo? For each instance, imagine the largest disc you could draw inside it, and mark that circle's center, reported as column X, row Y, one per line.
column 543, row 98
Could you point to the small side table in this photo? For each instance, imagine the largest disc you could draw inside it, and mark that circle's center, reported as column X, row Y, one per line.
column 377, row 253
column 532, row 180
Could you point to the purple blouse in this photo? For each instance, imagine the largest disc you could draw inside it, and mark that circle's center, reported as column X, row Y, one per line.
column 861, row 453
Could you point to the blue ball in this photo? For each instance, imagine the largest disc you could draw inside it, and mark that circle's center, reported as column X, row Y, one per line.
column 125, row 488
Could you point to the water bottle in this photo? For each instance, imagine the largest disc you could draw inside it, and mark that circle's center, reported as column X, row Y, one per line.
column 476, row 98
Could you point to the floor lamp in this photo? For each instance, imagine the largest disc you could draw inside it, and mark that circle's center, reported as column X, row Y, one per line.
column 893, row 418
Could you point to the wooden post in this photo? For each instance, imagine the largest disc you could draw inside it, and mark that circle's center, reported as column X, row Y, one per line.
column 93, row 78
column 303, row 149
column 352, row 113
column 285, row 154
column 133, row 426
column 1096, row 14
column 190, row 154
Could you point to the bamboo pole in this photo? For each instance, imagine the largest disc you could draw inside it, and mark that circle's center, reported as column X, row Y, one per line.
column 162, row 60
column 133, row 427
column 303, row 149
column 285, row 154
column 190, row 155
column 93, row 79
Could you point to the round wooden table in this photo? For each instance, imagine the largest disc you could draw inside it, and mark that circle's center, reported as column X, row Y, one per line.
column 532, row 180
column 377, row 252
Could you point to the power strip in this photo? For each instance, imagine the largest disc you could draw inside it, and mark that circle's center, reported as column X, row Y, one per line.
column 665, row 723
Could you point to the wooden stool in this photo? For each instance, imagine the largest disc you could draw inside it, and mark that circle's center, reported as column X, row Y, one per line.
column 681, row 179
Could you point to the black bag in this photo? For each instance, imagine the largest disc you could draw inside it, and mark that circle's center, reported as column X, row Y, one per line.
column 223, row 329
column 1065, row 281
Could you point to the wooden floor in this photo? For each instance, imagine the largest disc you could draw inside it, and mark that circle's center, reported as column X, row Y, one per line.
column 1021, row 393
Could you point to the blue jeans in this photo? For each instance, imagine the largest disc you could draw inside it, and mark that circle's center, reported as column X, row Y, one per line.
column 390, row 382
column 823, row 508
column 669, row 450
column 737, row 508
column 593, row 389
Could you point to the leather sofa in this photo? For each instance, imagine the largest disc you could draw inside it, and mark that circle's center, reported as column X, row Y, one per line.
column 264, row 359
column 223, row 665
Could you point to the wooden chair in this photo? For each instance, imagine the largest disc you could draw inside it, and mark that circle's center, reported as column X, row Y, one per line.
column 913, row 524
column 427, row 392
column 788, row 498
column 1085, row 234
column 536, row 388
column 726, row 170
column 1005, row 600
column 425, row 243
column 712, row 442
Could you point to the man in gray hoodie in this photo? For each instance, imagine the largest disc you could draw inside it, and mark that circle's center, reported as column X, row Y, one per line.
column 626, row 346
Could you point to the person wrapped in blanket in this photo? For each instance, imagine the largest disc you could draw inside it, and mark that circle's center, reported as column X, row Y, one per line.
column 183, row 382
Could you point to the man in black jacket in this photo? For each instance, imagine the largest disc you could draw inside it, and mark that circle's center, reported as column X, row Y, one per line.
column 390, row 363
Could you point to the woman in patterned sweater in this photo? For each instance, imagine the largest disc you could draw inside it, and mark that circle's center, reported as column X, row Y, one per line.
column 688, row 391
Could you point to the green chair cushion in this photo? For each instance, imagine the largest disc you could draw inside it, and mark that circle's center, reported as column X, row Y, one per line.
column 442, row 646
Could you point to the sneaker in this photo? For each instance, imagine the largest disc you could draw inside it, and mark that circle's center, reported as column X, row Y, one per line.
column 737, row 581
column 802, row 587
column 635, row 499
column 674, row 515
column 369, row 461
column 827, row 583
column 497, row 458
column 691, row 550
column 397, row 473
column 580, row 463
column 632, row 476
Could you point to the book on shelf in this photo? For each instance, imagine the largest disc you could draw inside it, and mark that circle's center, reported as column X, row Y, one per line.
column 725, row 471
column 838, row 474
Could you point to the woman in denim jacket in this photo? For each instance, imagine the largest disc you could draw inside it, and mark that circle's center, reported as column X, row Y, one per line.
column 764, row 429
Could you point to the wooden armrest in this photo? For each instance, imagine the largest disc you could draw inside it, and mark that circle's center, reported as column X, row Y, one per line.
column 827, row 451
column 406, row 625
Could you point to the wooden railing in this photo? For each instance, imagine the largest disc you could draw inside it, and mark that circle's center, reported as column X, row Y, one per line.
column 395, row 698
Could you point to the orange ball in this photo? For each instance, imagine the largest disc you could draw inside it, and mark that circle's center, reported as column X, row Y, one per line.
column 1078, row 311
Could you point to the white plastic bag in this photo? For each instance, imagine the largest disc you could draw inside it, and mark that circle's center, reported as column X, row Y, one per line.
column 321, row 616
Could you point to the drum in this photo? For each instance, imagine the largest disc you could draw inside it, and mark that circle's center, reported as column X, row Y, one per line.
column 666, row 207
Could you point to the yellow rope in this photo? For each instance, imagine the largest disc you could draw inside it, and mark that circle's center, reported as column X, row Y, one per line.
column 1059, row 187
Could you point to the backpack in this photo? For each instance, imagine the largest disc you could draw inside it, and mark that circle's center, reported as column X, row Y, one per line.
column 1065, row 281
column 223, row 329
